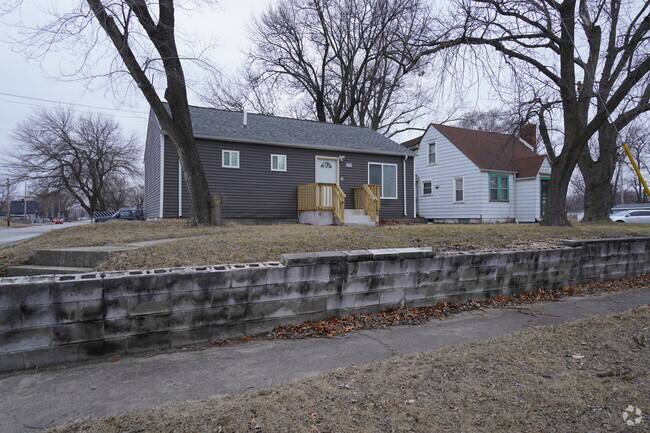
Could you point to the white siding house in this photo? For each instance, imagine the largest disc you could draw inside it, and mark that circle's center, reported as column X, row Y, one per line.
column 464, row 175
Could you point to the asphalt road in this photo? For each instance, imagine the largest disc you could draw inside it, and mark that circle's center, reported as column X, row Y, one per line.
column 43, row 398
column 9, row 235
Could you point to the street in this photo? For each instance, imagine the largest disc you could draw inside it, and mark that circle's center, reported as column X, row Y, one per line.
column 10, row 235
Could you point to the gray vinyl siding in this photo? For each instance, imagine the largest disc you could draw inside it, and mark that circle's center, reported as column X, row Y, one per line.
column 255, row 191
column 152, row 169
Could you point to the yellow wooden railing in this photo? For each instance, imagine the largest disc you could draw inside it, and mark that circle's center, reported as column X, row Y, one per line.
column 366, row 197
column 322, row 196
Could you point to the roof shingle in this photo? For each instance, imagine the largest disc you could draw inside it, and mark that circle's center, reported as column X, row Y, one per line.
column 228, row 126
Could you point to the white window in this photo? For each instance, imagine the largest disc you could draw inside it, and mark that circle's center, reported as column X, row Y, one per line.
column 278, row 162
column 432, row 153
column 459, row 190
column 427, row 187
column 230, row 158
column 384, row 175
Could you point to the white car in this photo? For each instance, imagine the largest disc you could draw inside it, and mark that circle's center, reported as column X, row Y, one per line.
column 631, row 216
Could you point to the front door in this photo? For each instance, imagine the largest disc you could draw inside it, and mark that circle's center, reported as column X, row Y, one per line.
column 327, row 170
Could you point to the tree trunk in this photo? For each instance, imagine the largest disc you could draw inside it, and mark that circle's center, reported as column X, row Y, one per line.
column 558, row 186
column 598, row 175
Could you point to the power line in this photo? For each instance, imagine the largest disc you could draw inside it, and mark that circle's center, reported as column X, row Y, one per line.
column 70, row 103
column 76, row 111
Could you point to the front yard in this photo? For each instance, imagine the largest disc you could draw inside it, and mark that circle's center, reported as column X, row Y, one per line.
column 245, row 243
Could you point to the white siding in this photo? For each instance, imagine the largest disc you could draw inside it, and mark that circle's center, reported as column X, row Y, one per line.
column 451, row 163
column 496, row 210
column 528, row 200
column 545, row 169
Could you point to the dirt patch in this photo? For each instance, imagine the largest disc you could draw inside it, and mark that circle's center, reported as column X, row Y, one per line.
column 238, row 243
column 573, row 378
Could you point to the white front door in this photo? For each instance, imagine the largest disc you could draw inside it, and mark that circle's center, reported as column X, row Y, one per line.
column 327, row 170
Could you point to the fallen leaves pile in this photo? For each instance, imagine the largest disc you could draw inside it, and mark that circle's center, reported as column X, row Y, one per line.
column 416, row 315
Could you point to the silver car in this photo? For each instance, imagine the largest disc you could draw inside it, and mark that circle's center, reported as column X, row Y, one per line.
column 631, row 216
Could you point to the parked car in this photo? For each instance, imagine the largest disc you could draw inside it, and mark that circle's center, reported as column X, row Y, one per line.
column 58, row 220
column 632, row 216
column 123, row 214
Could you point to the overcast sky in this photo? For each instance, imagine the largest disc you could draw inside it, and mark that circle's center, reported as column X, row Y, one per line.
column 24, row 85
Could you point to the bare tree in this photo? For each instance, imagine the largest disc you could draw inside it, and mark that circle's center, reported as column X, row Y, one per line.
column 490, row 121
column 342, row 61
column 582, row 60
column 636, row 138
column 143, row 34
column 77, row 154
column 7, row 190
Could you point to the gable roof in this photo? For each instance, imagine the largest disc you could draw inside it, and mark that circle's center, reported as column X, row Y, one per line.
column 212, row 123
column 491, row 150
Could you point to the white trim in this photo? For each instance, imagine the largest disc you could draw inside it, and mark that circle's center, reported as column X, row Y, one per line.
column 180, row 189
column 453, row 181
column 223, row 152
column 415, row 189
column 382, row 179
column 162, row 172
column 404, row 182
column 435, row 153
column 285, row 162
column 338, row 173
column 305, row 146
column 423, row 181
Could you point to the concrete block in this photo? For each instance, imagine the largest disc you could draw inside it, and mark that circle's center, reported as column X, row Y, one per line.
column 248, row 277
column 327, row 257
column 276, row 276
column 385, row 254
column 263, row 310
column 49, row 315
column 211, row 316
column 191, row 300
column 227, row 331
column 311, row 305
column 150, row 304
column 356, row 285
column 358, row 256
column 115, row 328
column 190, row 336
column 366, row 269
column 391, row 296
column 352, row 300
column 10, row 319
column 51, row 355
column 11, row 362
column 145, row 342
column 308, row 273
column 298, row 259
column 211, row 280
column 15, row 340
column 77, row 332
column 391, row 267
column 78, row 290
column 94, row 349
column 237, row 296
column 24, row 294
column 116, row 307
column 91, row 310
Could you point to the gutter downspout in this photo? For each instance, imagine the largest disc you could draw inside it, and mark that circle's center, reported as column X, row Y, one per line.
column 404, row 182
column 515, row 185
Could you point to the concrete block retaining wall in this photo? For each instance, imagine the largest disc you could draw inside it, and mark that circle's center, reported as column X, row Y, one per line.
column 51, row 319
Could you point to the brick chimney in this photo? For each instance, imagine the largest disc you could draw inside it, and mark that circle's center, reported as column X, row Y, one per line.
column 528, row 133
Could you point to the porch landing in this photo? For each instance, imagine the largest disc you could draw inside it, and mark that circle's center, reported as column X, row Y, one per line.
column 352, row 217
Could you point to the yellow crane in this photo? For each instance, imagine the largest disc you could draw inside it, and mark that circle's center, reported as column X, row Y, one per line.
column 636, row 168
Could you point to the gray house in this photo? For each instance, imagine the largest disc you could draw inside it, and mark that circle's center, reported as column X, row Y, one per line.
column 281, row 169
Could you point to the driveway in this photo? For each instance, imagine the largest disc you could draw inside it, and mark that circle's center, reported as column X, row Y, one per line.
column 9, row 235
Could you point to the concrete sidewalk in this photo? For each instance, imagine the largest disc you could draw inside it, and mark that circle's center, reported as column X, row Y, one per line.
column 46, row 398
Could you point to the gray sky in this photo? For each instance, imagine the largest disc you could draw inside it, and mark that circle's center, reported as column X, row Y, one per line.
column 25, row 86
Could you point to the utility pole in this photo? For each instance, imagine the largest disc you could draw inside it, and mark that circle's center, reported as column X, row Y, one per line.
column 25, row 207
column 8, row 204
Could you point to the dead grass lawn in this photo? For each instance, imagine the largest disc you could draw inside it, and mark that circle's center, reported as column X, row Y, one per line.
column 571, row 378
column 245, row 243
